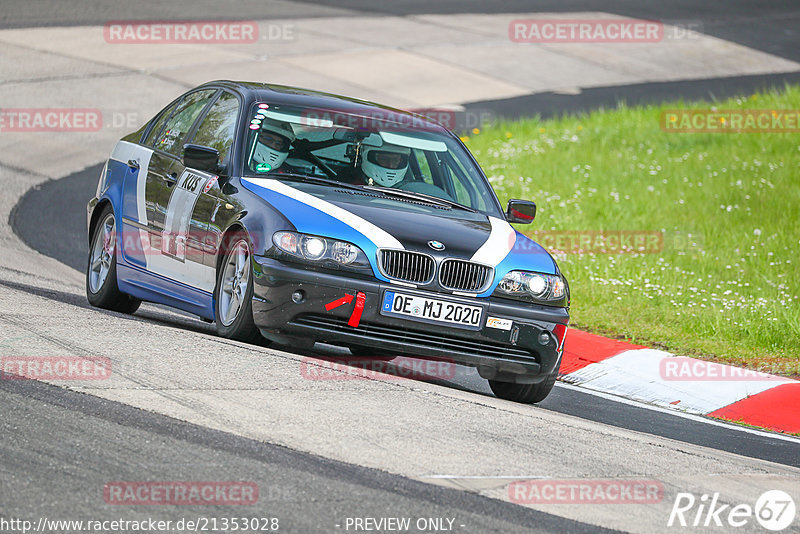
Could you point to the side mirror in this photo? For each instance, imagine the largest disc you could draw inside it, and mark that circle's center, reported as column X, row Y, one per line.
column 202, row 158
column 520, row 211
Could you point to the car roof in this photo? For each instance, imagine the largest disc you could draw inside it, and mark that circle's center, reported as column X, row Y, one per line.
column 297, row 96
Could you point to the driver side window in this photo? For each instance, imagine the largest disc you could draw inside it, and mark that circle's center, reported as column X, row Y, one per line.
column 219, row 126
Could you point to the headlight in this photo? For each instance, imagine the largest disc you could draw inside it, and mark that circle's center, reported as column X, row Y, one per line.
column 536, row 287
column 321, row 250
column 345, row 253
column 313, row 247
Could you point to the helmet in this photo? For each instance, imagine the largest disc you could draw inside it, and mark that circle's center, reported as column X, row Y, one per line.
column 272, row 145
column 386, row 165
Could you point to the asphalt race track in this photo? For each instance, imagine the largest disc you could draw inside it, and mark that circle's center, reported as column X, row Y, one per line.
column 183, row 404
column 60, row 234
column 133, row 444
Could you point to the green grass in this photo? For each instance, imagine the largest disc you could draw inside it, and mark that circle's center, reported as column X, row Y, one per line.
column 725, row 285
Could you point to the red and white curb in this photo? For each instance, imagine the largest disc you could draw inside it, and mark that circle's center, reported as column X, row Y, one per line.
column 687, row 384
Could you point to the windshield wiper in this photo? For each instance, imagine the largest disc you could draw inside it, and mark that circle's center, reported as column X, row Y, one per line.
column 422, row 197
column 315, row 180
column 386, row 191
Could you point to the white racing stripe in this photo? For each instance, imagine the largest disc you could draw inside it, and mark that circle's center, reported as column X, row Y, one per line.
column 124, row 152
column 190, row 273
column 378, row 236
column 500, row 242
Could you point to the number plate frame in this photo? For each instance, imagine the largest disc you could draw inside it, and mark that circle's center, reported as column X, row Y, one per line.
column 387, row 299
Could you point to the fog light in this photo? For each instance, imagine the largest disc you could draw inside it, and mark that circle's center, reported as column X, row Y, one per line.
column 298, row 296
column 544, row 338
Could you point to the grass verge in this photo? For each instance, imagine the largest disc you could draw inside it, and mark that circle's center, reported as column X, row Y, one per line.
column 723, row 284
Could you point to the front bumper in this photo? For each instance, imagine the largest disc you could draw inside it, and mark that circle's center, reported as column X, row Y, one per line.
column 514, row 354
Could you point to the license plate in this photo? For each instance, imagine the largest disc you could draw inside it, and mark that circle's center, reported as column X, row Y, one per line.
column 431, row 310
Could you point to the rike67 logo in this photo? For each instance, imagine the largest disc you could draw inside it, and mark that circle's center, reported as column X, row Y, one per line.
column 774, row 510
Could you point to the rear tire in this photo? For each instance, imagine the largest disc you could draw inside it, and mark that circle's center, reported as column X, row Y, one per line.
column 233, row 302
column 524, row 393
column 102, row 290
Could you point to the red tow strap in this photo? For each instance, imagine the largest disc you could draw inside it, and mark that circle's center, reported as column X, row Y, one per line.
column 355, row 318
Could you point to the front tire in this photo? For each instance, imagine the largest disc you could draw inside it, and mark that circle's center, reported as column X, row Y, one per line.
column 102, row 290
column 234, row 291
column 524, row 393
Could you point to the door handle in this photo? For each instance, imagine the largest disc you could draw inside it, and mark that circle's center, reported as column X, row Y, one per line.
column 133, row 164
column 170, row 179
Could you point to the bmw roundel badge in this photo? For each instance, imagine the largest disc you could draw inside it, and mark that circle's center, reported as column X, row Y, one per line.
column 436, row 245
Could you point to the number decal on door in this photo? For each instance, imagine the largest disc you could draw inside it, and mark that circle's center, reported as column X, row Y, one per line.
column 179, row 213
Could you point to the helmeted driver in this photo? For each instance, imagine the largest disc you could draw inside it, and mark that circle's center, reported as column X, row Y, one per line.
column 274, row 140
column 384, row 165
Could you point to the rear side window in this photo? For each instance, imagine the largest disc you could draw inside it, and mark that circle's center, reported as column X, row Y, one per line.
column 172, row 137
column 219, row 126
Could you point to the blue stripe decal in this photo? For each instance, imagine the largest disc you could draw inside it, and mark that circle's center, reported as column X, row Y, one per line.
column 310, row 220
column 129, row 179
column 527, row 255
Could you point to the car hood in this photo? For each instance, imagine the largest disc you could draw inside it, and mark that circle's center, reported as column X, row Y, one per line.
column 374, row 222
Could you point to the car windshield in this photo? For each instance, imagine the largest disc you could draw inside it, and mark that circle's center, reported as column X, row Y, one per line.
column 415, row 160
